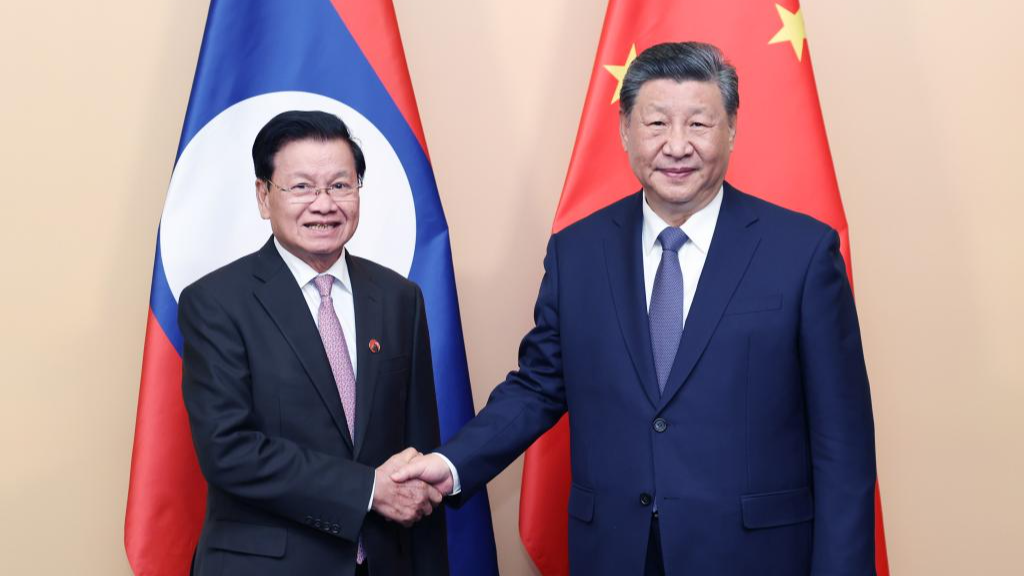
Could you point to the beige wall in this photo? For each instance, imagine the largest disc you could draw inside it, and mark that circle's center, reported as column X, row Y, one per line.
column 921, row 100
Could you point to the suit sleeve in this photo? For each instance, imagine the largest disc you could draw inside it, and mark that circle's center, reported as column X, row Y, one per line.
column 234, row 452
column 525, row 405
column 429, row 540
column 839, row 418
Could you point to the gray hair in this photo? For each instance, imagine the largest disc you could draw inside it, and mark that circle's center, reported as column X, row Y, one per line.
column 681, row 61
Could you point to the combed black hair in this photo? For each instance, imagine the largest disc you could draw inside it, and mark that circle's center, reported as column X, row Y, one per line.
column 294, row 125
column 681, row 61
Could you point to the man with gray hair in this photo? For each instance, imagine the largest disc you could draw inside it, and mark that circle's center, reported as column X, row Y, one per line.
column 706, row 347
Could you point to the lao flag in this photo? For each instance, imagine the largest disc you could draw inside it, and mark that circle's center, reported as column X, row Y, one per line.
column 259, row 59
column 781, row 154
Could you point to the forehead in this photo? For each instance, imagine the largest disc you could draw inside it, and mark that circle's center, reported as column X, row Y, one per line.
column 311, row 153
column 665, row 94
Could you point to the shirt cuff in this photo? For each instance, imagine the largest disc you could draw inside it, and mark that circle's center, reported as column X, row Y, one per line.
column 373, row 488
column 456, row 485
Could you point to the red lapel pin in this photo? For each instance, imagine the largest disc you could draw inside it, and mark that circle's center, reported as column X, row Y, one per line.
column 374, row 346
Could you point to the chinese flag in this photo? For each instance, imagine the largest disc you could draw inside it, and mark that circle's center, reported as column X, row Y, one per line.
column 781, row 155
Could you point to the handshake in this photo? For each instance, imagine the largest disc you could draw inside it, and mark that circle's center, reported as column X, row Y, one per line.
column 410, row 485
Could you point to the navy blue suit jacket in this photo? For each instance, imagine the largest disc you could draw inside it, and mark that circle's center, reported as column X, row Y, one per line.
column 760, row 452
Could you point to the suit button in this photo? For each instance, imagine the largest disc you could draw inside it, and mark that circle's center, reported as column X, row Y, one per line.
column 660, row 425
column 645, row 499
column 316, row 524
column 335, row 529
column 309, row 519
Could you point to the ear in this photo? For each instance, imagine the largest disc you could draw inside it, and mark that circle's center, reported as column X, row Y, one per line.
column 732, row 132
column 624, row 131
column 263, row 199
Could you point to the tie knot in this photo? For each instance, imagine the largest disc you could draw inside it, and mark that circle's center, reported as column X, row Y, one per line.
column 323, row 284
column 672, row 239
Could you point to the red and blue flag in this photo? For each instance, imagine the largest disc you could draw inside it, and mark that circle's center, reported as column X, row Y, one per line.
column 259, row 59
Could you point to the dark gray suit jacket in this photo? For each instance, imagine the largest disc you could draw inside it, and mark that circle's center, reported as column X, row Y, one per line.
column 288, row 489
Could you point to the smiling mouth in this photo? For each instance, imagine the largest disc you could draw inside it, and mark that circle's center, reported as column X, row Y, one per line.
column 322, row 226
column 677, row 172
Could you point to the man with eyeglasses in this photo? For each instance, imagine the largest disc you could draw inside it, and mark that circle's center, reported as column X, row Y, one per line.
column 305, row 369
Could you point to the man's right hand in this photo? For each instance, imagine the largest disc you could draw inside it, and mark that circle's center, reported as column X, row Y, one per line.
column 429, row 468
column 405, row 502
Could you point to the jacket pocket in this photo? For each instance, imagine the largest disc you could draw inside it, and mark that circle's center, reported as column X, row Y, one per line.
column 750, row 304
column 777, row 508
column 395, row 364
column 581, row 503
column 253, row 539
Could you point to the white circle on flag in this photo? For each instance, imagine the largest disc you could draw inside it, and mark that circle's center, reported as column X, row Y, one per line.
column 211, row 217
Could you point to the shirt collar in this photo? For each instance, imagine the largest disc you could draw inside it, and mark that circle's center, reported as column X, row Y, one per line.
column 304, row 273
column 699, row 228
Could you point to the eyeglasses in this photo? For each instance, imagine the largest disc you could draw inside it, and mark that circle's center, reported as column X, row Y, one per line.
column 304, row 193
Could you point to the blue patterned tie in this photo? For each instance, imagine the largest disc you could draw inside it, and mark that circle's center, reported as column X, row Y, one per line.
column 666, row 311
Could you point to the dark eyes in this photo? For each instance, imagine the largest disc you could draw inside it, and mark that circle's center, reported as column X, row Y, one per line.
column 661, row 123
column 303, row 186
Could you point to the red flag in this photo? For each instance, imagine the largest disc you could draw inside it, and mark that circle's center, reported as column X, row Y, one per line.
column 781, row 155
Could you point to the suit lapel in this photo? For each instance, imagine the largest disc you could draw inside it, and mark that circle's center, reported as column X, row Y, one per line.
column 282, row 298
column 624, row 262
column 369, row 325
column 732, row 247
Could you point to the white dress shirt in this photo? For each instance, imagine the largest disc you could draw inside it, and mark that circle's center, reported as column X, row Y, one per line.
column 699, row 228
column 341, row 296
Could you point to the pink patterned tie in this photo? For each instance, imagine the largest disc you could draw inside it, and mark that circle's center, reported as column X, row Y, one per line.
column 341, row 364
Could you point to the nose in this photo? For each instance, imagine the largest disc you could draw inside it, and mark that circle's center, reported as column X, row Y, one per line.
column 678, row 143
column 323, row 203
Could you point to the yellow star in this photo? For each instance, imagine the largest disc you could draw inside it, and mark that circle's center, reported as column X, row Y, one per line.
column 620, row 72
column 792, row 30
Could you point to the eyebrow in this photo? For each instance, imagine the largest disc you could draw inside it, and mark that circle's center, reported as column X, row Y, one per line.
column 691, row 109
column 339, row 174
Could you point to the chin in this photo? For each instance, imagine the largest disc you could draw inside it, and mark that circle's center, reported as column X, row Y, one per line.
column 691, row 194
column 676, row 196
column 326, row 251
column 321, row 249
